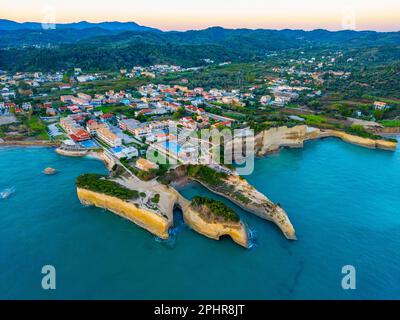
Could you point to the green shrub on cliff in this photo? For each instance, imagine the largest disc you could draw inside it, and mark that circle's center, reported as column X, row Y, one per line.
column 206, row 174
column 358, row 130
column 214, row 210
column 99, row 183
column 156, row 198
column 390, row 123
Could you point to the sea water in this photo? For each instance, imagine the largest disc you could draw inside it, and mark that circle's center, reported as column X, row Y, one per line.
column 343, row 200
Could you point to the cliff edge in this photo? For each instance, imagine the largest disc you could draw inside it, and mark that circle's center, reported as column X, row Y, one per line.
column 146, row 219
column 214, row 229
column 239, row 191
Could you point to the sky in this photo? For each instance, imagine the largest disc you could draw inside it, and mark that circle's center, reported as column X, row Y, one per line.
column 382, row 15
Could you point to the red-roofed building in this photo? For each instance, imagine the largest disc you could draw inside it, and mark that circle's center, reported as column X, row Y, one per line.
column 145, row 111
column 223, row 124
column 80, row 135
column 106, row 117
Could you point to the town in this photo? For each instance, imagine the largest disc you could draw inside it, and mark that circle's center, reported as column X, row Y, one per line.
column 88, row 111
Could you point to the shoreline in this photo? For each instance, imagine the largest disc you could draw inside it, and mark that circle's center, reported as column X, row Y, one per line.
column 28, row 143
column 278, row 139
column 287, row 228
column 273, row 140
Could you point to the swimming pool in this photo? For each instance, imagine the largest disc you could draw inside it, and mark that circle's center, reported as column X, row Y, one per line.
column 89, row 144
column 116, row 149
column 172, row 147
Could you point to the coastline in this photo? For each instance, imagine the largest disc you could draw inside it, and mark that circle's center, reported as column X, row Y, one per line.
column 88, row 236
column 146, row 219
column 285, row 226
column 280, row 137
column 236, row 231
column 29, row 143
column 272, row 141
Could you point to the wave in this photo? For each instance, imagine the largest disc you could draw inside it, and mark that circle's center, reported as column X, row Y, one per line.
column 252, row 234
column 6, row 193
column 173, row 234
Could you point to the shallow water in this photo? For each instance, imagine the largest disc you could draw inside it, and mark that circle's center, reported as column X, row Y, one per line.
column 343, row 200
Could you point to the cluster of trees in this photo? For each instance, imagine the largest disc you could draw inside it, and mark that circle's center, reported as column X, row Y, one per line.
column 206, row 174
column 359, row 130
column 373, row 70
column 99, row 183
column 146, row 175
column 97, row 49
column 156, row 199
column 215, row 210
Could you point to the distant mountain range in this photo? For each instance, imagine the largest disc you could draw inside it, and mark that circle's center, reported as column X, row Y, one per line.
column 8, row 25
column 112, row 45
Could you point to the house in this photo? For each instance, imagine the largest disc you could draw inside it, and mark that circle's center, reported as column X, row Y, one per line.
column 69, row 125
column 145, row 112
column 64, row 86
column 122, row 152
column 160, row 125
column 265, row 100
column 108, row 137
column 51, row 112
column 67, row 98
column 80, row 135
column 88, row 108
column 84, row 96
column 146, row 165
column 188, row 123
column 106, row 117
column 223, row 124
column 92, row 126
column 26, row 106
column 162, row 137
column 381, row 105
column 85, row 78
column 141, row 131
column 47, row 105
column 193, row 109
column 74, row 130
column 7, row 94
column 128, row 124
column 74, row 109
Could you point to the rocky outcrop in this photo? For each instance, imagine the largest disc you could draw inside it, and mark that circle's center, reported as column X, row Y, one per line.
column 29, row 143
column 159, row 223
column 387, row 131
column 244, row 195
column 273, row 139
column 214, row 230
column 364, row 142
column 151, row 221
column 71, row 153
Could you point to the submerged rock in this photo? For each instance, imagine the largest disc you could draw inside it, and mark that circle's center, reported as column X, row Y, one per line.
column 49, row 171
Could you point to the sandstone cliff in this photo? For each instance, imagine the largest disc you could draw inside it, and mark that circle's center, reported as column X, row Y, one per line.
column 237, row 190
column 146, row 219
column 214, row 230
column 273, row 139
column 364, row 142
column 159, row 223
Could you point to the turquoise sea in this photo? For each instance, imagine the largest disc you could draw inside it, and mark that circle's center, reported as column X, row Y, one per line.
column 343, row 200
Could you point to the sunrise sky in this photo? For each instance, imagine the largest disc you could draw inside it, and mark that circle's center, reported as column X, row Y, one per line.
column 382, row 15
